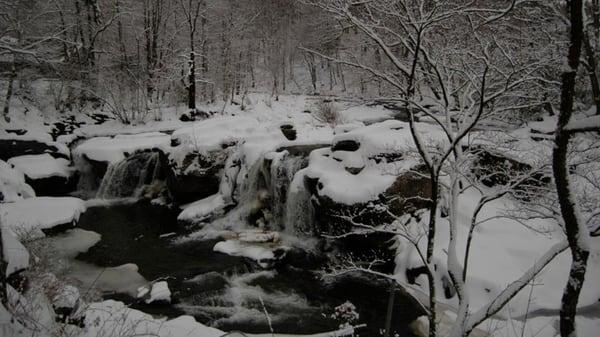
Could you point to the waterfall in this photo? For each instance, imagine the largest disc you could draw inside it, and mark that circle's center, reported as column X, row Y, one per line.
column 128, row 177
column 267, row 192
column 299, row 214
column 285, row 201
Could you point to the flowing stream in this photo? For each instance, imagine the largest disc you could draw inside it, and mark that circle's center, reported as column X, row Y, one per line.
column 117, row 249
column 219, row 290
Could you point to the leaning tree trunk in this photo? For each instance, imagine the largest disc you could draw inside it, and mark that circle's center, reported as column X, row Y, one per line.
column 560, row 168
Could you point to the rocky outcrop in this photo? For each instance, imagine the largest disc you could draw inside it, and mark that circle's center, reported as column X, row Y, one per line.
column 493, row 169
column 408, row 193
column 10, row 148
column 196, row 177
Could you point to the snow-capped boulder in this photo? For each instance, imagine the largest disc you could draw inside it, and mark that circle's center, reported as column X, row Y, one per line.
column 29, row 218
column 14, row 145
column 47, row 175
column 65, row 302
column 264, row 248
column 157, row 293
column 196, row 175
column 364, row 174
column 15, row 254
column 12, row 184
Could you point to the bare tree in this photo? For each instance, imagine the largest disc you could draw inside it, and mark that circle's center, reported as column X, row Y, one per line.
column 456, row 84
column 575, row 226
column 192, row 10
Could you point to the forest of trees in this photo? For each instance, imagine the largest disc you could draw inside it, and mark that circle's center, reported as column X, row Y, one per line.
column 150, row 51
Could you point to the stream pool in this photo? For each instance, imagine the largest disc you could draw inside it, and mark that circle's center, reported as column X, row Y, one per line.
column 229, row 293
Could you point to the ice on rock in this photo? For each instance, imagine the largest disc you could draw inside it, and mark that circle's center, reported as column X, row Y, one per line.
column 262, row 247
column 202, row 209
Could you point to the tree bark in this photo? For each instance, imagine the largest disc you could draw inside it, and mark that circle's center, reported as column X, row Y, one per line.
column 560, row 169
column 192, row 81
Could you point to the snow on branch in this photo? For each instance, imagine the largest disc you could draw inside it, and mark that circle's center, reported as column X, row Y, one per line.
column 584, row 125
column 513, row 289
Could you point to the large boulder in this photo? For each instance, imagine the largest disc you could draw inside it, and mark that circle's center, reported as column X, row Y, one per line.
column 47, row 175
column 18, row 147
column 195, row 177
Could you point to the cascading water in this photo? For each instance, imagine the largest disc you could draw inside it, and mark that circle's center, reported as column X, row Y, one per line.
column 290, row 203
column 268, row 192
column 299, row 214
column 128, row 177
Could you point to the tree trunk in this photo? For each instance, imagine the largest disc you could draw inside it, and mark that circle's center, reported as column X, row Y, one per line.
column 390, row 310
column 192, row 82
column 560, row 169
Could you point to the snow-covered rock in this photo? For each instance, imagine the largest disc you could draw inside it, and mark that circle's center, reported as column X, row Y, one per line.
column 262, row 247
column 115, row 149
column 27, row 218
column 12, row 184
column 363, row 174
column 47, row 175
column 32, row 142
column 15, row 254
column 202, row 210
column 160, row 293
column 377, row 149
column 66, row 299
column 41, row 166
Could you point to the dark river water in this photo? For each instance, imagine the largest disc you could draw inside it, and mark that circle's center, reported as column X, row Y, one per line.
column 232, row 293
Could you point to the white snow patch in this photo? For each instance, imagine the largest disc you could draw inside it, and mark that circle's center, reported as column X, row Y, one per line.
column 14, row 252
column 29, row 216
column 113, row 150
column 263, row 254
column 12, row 184
column 42, row 166
column 109, row 317
column 160, row 292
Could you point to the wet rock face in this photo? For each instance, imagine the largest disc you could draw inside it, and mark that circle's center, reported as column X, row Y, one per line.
column 16, row 147
column 197, row 177
column 346, row 145
column 407, row 194
column 288, row 131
